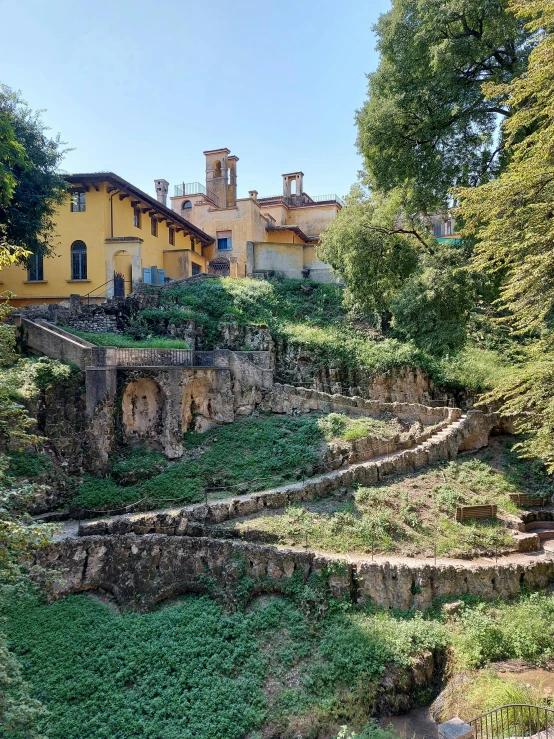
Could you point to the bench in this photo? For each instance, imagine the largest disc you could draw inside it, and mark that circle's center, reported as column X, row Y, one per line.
column 527, row 500
column 472, row 512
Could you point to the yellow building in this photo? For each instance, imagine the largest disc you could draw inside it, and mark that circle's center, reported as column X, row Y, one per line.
column 108, row 236
column 257, row 234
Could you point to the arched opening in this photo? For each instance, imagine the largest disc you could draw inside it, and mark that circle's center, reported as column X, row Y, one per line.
column 187, row 209
column 123, row 270
column 143, row 413
column 217, row 168
column 293, row 187
column 78, row 260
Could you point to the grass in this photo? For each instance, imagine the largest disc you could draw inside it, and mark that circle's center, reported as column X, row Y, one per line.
column 409, row 514
column 122, row 341
column 192, row 671
column 339, row 426
column 251, row 454
column 315, row 317
column 254, row 453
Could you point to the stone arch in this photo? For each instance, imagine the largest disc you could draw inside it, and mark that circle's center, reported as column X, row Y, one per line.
column 143, row 413
column 197, row 404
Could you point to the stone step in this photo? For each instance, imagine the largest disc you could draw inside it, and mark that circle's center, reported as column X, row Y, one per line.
column 540, row 526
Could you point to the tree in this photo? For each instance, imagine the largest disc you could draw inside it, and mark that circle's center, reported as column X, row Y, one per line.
column 432, row 308
column 426, row 120
column 30, row 186
column 372, row 254
column 512, row 219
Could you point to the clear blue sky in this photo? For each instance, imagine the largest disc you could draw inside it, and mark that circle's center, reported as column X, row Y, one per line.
column 142, row 88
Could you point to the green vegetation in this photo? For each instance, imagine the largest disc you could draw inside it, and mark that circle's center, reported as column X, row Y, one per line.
column 251, row 454
column 191, row 670
column 127, row 342
column 339, row 426
column 319, row 319
column 409, row 514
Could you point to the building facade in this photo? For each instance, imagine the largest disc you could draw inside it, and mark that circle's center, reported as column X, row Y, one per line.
column 257, row 234
column 109, row 235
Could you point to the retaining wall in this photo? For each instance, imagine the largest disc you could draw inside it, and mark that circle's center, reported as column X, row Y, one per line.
column 142, row 571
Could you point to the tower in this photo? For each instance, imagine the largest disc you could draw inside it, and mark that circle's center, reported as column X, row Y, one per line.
column 293, row 185
column 217, row 172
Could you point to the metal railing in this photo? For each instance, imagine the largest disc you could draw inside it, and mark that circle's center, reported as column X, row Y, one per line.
column 515, row 720
column 326, row 198
column 90, row 294
column 194, row 188
column 104, row 356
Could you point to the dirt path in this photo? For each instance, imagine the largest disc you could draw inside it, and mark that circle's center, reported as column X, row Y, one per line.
column 417, row 723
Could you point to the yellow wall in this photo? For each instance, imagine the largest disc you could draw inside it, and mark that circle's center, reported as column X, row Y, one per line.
column 94, row 226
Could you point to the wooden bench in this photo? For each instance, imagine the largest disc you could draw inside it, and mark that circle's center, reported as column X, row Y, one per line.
column 469, row 512
column 527, row 500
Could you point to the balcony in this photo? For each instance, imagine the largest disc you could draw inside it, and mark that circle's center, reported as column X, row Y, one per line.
column 328, row 198
column 304, row 201
column 194, row 188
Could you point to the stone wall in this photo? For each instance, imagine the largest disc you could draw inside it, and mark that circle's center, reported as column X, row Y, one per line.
column 142, row 571
column 190, row 520
column 57, row 344
column 291, row 399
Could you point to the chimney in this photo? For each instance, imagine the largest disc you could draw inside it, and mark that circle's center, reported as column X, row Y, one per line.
column 253, row 194
column 162, row 186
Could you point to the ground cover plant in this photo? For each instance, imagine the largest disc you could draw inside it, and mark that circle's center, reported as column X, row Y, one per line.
column 340, row 426
column 318, row 318
column 190, row 670
column 251, row 454
column 410, row 514
column 123, row 341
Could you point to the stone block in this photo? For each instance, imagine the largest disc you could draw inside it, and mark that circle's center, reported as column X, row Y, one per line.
column 455, row 729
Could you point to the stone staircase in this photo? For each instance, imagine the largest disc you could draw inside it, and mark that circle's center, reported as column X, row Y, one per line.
column 543, row 529
column 440, row 446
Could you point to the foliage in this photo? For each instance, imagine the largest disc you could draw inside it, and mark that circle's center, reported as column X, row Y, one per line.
column 339, row 426
column 434, row 304
column 511, row 216
column 496, row 631
column 191, row 670
column 31, row 188
column 363, row 246
column 251, row 454
column 411, row 515
column 471, row 369
column 426, row 125
column 526, row 391
column 371, row 731
column 126, row 342
column 18, row 711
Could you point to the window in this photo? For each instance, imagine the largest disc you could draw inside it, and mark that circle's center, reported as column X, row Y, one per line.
column 196, row 269
column 187, row 205
column 136, row 217
column 78, row 202
column 78, row 260
column 224, row 240
column 153, row 226
column 35, row 271
column 437, row 229
column 172, row 236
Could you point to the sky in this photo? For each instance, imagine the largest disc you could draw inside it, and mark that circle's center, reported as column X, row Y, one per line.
column 142, row 88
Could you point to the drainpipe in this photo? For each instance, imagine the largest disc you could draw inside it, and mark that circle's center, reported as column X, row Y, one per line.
column 111, row 209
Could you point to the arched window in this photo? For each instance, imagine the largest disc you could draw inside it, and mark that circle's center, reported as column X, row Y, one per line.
column 187, row 205
column 217, row 168
column 78, row 260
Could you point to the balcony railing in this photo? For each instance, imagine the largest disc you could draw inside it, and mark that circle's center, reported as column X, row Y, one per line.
column 309, row 199
column 325, row 198
column 194, row 188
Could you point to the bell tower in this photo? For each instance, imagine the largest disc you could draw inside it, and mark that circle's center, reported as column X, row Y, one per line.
column 217, row 175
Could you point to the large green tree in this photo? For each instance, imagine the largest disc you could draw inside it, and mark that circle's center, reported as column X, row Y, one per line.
column 30, row 184
column 512, row 220
column 426, row 121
